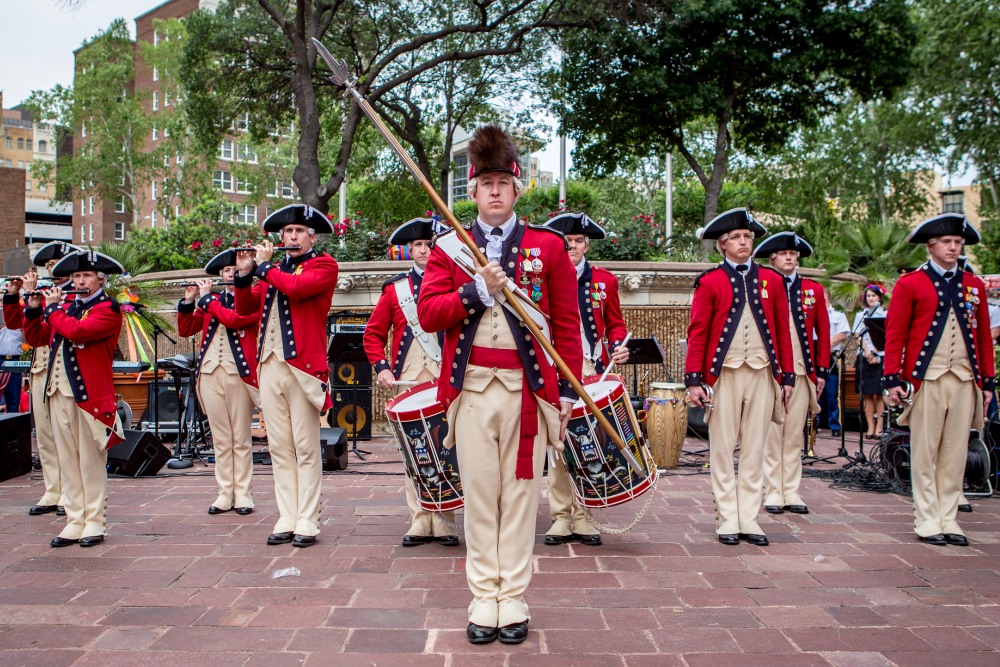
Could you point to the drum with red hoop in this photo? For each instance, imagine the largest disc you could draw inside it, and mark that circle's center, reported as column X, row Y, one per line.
column 419, row 425
column 602, row 476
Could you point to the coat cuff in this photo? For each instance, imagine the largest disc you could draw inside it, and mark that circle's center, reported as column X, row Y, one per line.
column 382, row 365
column 207, row 299
column 788, row 379
column 566, row 391
column 262, row 269
column 51, row 309
column 692, row 379
column 471, row 300
column 243, row 281
column 890, row 381
column 989, row 384
column 822, row 373
column 11, row 299
column 33, row 313
column 185, row 307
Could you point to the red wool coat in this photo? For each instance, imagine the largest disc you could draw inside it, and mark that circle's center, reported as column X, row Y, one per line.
column 916, row 321
column 209, row 317
column 388, row 315
column 812, row 325
column 91, row 337
column 715, row 314
column 601, row 311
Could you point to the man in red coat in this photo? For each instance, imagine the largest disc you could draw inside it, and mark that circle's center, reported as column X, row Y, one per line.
column 416, row 358
column 739, row 346
column 938, row 339
column 227, row 379
column 602, row 328
column 505, row 401
column 48, row 256
column 82, row 336
column 293, row 371
column 809, row 322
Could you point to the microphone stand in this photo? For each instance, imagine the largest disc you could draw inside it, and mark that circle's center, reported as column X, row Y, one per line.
column 860, row 458
column 157, row 332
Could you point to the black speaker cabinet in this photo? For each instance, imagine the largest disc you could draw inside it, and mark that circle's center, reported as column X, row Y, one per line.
column 141, row 455
column 333, row 442
column 352, row 409
column 15, row 445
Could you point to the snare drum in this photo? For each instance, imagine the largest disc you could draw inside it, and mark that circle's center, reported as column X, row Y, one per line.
column 602, row 476
column 666, row 422
column 419, row 425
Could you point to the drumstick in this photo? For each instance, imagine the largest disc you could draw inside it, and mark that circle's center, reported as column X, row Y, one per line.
column 607, row 370
column 404, row 383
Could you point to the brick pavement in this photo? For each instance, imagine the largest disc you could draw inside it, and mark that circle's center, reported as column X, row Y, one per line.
column 845, row 585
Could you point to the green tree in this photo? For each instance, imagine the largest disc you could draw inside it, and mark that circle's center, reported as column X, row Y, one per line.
column 705, row 78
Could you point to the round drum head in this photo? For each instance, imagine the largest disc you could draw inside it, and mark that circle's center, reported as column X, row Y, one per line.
column 666, row 385
column 598, row 390
column 419, row 399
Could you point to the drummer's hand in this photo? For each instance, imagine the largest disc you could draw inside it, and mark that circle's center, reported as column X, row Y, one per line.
column 820, row 385
column 697, row 398
column 894, row 396
column 565, row 410
column 620, row 355
column 494, row 277
column 788, row 395
column 385, row 379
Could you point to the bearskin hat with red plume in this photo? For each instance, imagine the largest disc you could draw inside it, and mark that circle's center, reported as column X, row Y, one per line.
column 492, row 149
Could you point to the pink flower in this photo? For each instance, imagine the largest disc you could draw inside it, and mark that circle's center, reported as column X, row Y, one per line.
column 195, row 245
column 217, row 243
column 235, row 243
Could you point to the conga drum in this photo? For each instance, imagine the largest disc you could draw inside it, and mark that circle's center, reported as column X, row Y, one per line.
column 666, row 422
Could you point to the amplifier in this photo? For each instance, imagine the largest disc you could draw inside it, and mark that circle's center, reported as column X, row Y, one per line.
column 15, row 366
column 15, row 445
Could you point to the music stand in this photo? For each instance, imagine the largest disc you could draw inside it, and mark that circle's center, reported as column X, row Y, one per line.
column 349, row 348
column 876, row 331
column 644, row 351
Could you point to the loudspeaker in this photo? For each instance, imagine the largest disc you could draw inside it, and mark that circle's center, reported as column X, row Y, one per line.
column 349, row 373
column 333, row 442
column 15, row 445
column 142, row 454
column 352, row 409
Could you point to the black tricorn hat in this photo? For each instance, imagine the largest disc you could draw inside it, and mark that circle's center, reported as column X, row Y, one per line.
column 736, row 218
column 782, row 241
column 577, row 223
column 492, row 149
column 418, row 229
column 297, row 214
column 221, row 261
column 52, row 250
column 86, row 260
column 947, row 224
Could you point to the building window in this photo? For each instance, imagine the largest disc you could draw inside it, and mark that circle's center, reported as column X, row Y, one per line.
column 42, row 188
column 152, row 219
column 177, row 211
column 83, row 208
column 166, row 160
column 156, row 74
column 91, row 229
column 156, row 100
column 179, row 159
column 153, row 190
column 90, row 205
column 166, row 98
column 27, row 185
column 223, row 180
column 247, row 213
column 119, row 231
column 43, row 146
column 243, row 122
column 156, row 134
column 156, row 38
column 20, row 144
column 27, row 144
column 20, row 164
column 83, row 233
column 283, row 189
column 460, row 179
column 246, row 153
column 120, row 204
column 953, row 202
column 242, row 185
column 166, row 131
column 83, row 130
column 226, row 150
column 9, row 141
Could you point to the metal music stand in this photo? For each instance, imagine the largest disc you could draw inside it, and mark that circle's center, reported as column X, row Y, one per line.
column 645, row 351
column 187, row 420
column 349, row 348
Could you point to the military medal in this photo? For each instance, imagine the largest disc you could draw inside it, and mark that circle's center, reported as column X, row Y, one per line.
column 763, row 290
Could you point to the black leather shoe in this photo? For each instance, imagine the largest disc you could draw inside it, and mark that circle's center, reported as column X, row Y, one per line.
column 215, row 510
column 243, row 511
column 416, row 540
column 937, row 540
column 797, row 509
column 729, row 540
column 280, row 538
column 515, row 633
column 62, row 542
column 589, row 540
column 774, row 509
column 956, row 539
column 480, row 634
column 42, row 509
column 303, row 541
column 554, row 540
column 447, row 540
column 756, row 540
column 61, row 511
column 965, row 508
column 91, row 541
column 835, row 434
